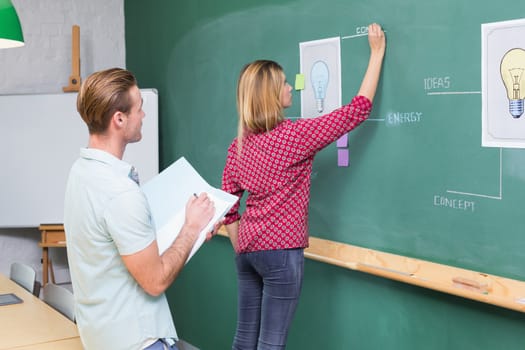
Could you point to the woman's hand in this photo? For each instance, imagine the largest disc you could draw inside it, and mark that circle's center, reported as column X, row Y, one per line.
column 376, row 39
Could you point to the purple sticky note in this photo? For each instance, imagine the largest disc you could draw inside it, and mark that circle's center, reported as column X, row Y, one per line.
column 343, row 141
column 342, row 157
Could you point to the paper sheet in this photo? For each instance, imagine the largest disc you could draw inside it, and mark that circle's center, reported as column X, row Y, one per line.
column 167, row 195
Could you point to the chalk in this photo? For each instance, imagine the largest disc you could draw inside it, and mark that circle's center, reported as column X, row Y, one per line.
column 465, row 283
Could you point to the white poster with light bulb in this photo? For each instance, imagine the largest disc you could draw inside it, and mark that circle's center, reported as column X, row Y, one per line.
column 503, row 84
column 321, row 67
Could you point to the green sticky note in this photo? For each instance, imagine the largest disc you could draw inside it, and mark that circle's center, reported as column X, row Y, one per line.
column 299, row 82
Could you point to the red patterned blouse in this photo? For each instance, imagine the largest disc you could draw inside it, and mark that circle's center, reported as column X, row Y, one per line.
column 274, row 168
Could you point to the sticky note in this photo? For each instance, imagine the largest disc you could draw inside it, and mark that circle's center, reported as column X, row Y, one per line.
column 343, row 157
column 343, row 141
column 299, row 82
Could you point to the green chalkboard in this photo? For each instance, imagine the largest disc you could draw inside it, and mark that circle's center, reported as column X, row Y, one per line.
column 419, row 182
column 395, row 194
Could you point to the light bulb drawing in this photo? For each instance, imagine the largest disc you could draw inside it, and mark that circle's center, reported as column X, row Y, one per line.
column 511, row 69
column 319, row 77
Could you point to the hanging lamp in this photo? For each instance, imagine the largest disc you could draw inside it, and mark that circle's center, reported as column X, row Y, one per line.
column 10, row 29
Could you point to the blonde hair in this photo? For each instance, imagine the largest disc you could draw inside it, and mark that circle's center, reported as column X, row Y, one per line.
column 102, row 94
column 259, row 98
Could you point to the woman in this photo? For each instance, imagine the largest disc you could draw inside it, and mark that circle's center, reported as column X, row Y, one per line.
column 271, row 159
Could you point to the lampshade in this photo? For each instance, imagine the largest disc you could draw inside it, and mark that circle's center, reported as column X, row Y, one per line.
column 10, row 30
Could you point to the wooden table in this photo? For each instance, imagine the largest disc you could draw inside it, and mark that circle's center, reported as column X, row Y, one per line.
column 33, row 324
column 53, row 236
column 66, row 344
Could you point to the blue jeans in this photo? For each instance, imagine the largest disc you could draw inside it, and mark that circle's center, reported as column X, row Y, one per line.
column 269, row 285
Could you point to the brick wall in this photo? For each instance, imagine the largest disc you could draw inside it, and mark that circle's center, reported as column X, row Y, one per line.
column 43, row 65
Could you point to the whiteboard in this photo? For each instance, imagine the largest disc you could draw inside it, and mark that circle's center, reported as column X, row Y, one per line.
column 41, row 136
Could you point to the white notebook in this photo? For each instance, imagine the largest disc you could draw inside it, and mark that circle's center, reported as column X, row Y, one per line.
column 167, row 195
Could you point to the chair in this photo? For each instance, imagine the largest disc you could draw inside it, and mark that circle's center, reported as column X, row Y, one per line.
column 61, row 299
column 25, row 276
column 36, row 288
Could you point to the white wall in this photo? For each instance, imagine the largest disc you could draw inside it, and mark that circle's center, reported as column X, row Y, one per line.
column 43, row 65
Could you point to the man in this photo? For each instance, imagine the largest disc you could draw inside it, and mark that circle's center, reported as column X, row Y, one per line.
column 118, row 276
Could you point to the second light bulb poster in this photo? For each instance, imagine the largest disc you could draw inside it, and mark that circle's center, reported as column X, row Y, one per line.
column 503, row 84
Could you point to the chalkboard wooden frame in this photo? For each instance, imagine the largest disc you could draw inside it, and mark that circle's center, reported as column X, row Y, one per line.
column 479, row 286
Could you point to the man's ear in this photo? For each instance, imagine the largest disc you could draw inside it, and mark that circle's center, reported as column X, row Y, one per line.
column 118, row 119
